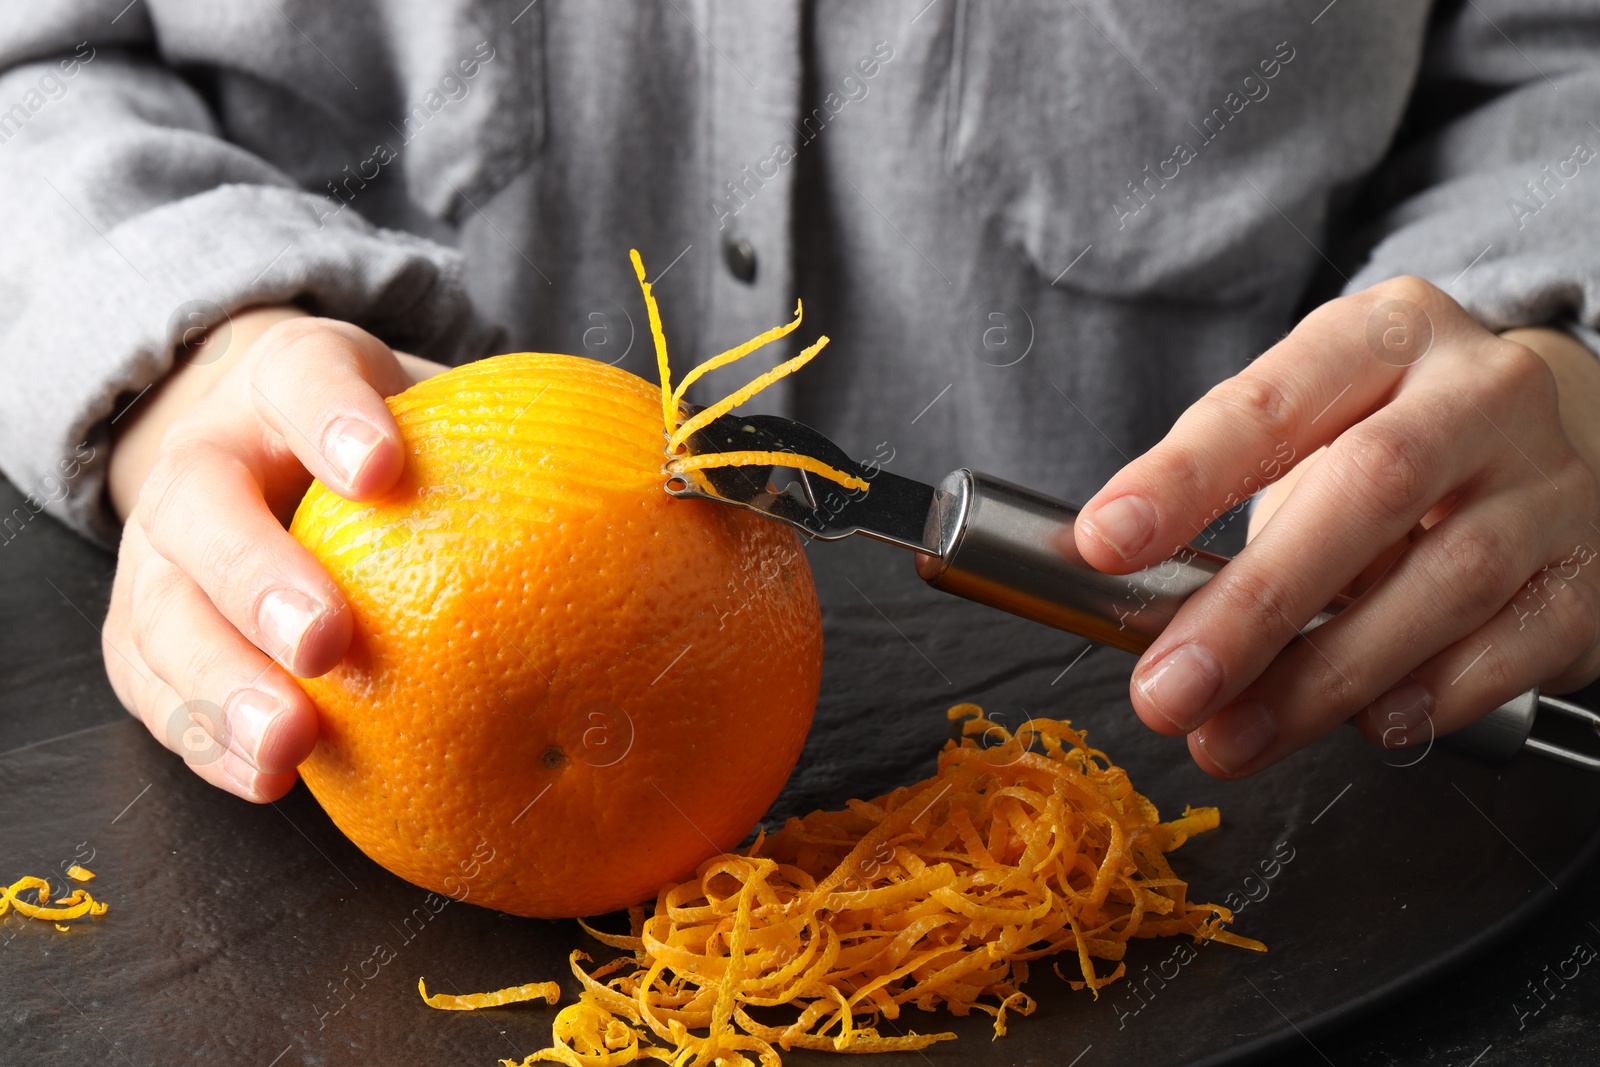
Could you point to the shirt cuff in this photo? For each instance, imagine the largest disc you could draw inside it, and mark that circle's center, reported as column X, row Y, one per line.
column 100, row 326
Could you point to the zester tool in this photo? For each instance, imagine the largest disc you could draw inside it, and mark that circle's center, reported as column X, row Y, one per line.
column 985, row 539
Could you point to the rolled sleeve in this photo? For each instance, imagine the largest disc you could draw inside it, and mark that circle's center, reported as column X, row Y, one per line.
column 1499, row 202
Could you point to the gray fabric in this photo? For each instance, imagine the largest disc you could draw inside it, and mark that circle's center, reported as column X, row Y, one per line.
column 1034, row 231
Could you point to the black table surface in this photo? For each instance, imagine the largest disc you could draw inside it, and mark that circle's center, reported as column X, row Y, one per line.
column 1506, row 1004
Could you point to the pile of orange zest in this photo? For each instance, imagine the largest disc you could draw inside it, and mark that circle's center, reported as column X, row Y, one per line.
column 550, row 992
column 75, row 905
column 671, row 398
column 1021, row 846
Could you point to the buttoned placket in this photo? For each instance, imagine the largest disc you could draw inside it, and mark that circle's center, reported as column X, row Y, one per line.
column 752, row 94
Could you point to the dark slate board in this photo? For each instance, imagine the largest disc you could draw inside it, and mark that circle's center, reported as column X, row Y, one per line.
column 252, row 935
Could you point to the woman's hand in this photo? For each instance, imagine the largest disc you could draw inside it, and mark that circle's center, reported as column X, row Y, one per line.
column 1456, row 495
column 214, row 603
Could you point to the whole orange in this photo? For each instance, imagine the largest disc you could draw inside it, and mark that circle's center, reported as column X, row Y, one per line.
column 566, row 687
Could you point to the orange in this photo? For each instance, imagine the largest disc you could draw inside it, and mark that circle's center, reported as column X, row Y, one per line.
column 566, row 687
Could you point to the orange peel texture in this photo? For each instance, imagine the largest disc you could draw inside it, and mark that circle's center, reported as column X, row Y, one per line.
column 565, row 687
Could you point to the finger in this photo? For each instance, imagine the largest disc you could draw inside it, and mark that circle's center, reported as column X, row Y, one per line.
column 1270, row 500
column 262, row 715
column 191, row 729
column 1539, row 636
column 320, row 384
column 115, row 634
column 1536, row 636
column 1453, row 580
column 1266, row 505
column 1380, row 478
column 202, row 510
column 1372, row 572
column 1250, row 429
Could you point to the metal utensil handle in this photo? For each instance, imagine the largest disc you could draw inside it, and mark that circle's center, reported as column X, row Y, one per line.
column 1013, row 549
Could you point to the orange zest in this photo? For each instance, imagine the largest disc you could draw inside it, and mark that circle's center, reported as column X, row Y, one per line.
column 677, row 435
column 549, row 992
column 1022, row 846
column 734, row 354
column 75, row 905
column 683, row 464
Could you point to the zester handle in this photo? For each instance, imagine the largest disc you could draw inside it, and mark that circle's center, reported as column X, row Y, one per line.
column 1013, row 549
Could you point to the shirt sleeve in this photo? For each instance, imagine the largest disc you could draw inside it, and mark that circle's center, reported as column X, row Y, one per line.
column 130, row 221
column 1493, row 189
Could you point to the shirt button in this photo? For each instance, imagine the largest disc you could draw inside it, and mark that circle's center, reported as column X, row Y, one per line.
column 740, row 257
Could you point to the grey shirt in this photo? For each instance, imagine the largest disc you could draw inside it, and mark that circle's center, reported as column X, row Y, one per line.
column 1035, row 231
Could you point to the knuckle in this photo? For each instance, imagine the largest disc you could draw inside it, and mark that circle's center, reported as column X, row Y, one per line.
column 1406, row 287
column 228, row 568
column 116, row 670
column 116, row 632
column 1258, row 402
column 157, row 595
column 140, row 708
column 1506, row 369
column 1558, row 617
column 283, row 335
column 139, row 696
column 183, row 525
column 1176, row 470
column 174, row 486
column 287, row 353
column 1388, row 466
column 1477, row 562
column 1579, row 489
column 1494, row 673
column 1256, row 603
column 1332, row 686
column 294, row 344
column 203, row 665
column 1586, row 642
column 1578, row 618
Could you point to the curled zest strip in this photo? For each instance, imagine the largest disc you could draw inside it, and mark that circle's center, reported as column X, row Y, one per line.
column 682, row 464
column 733, row 400
column 672, row 398
column 550, row 991
column 669, row 408
column 735, row 354
column 1024, row 845
column 74, row 905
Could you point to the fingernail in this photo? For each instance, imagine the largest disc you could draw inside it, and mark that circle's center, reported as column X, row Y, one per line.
column 1181, row 685
column 1126, row 524
column 1238, row 734
column 285, row 617
column 239, row 770
column 1398, row 712
column 348, row 445
column 249, row 713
